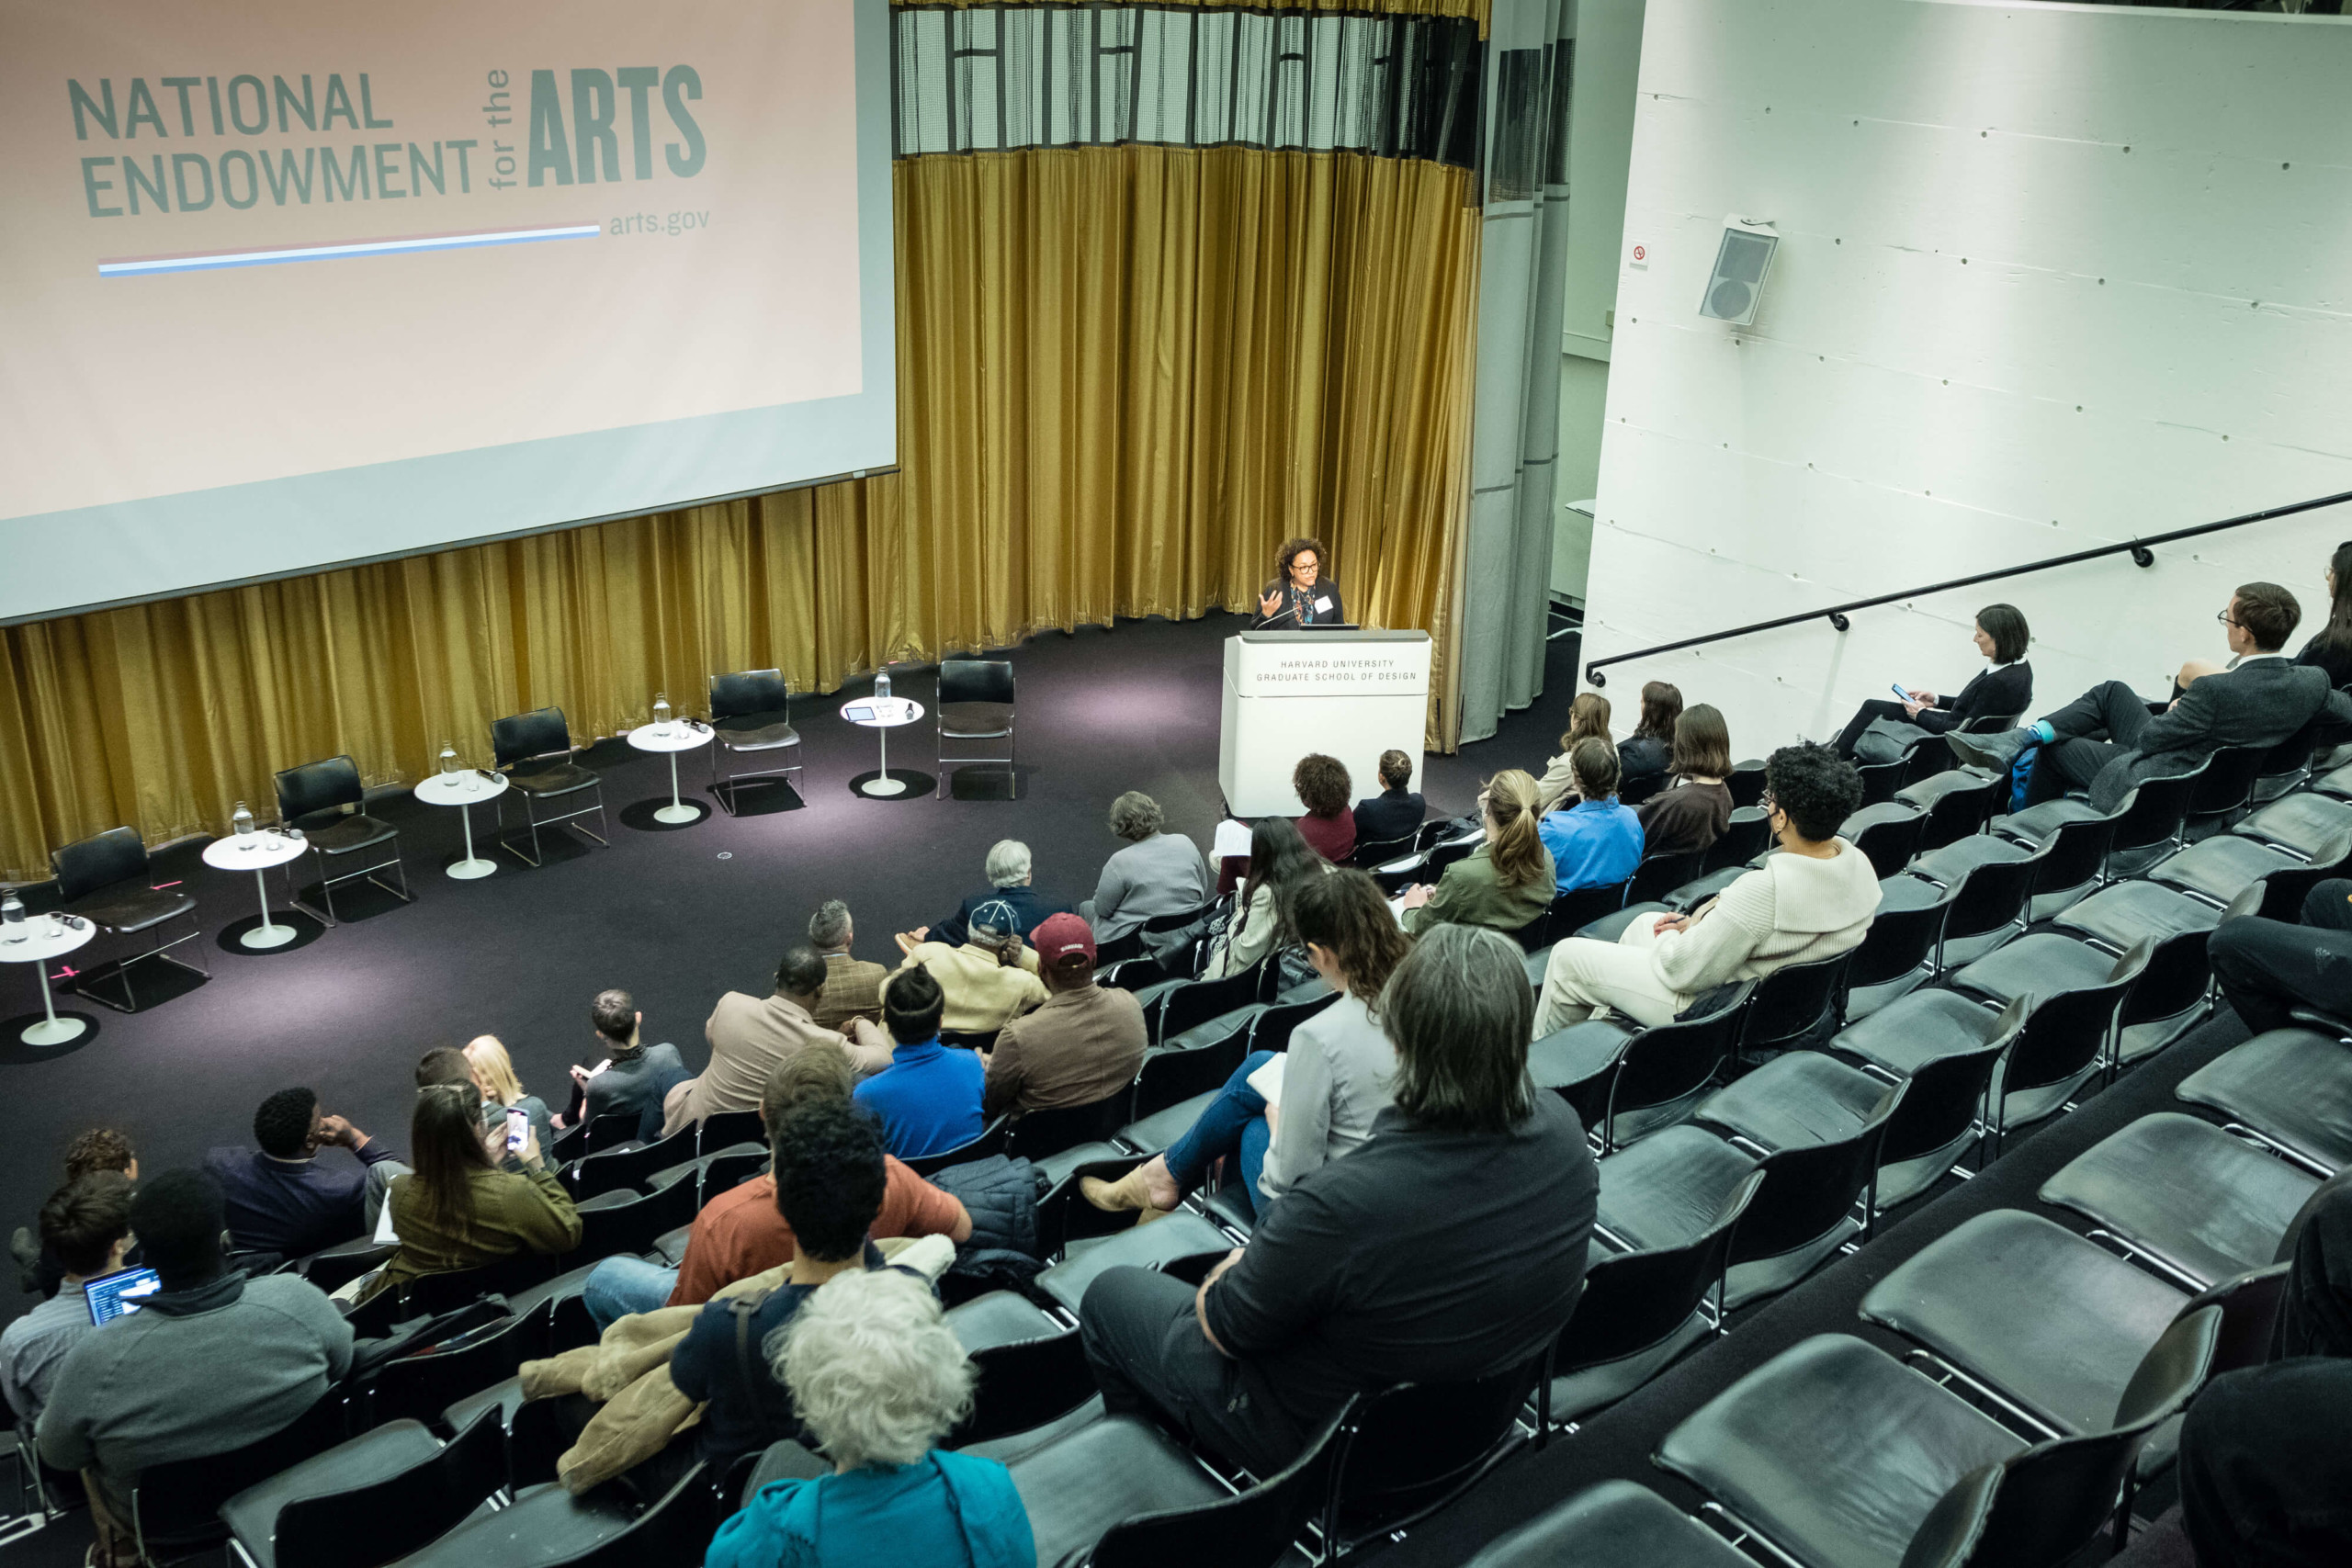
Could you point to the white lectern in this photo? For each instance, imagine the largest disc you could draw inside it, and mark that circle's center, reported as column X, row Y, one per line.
column 1349, row 694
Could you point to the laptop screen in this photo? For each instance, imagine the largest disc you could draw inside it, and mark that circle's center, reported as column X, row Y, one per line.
column 112, row 1295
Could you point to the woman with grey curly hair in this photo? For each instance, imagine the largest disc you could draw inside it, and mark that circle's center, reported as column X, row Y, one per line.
column 1159, row 873
column 878, row 1377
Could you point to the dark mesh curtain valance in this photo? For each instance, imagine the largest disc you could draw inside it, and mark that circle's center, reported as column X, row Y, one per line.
column 986, row 79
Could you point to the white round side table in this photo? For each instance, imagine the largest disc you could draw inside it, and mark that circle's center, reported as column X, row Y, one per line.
column 47, row 937
column 882, row 714
column 462, row 789
column 674, row 735
column 257, row 851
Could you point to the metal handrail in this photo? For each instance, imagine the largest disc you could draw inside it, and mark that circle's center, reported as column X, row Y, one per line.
column 2142, row 553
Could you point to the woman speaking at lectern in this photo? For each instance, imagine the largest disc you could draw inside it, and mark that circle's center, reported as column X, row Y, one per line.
column 1300, row 595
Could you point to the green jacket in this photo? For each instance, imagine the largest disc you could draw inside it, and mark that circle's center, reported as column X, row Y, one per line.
column 1471, row 893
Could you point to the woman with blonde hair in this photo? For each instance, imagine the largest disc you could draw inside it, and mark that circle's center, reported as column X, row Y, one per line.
column 502, row 1090
column 1588, row 721
column 1505, row 882
column 878, row 1378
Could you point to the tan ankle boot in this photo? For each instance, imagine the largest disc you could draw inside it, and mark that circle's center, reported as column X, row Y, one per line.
column 1128, row 1192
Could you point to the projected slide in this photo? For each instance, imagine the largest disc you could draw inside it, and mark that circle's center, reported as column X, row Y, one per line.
column 285, row 284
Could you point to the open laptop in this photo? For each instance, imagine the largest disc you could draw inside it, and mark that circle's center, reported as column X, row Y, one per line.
column 114, row 1295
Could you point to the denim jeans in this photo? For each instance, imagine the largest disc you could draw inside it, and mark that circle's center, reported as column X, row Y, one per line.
column 1233, row 1124
column 620, row 1286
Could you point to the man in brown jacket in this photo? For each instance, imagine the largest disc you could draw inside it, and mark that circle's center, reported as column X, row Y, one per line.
column 852, row 986
column 748, row 1037
column 1082, row 1044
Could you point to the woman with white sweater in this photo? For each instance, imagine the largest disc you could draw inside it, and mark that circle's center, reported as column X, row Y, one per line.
column 1812, row 899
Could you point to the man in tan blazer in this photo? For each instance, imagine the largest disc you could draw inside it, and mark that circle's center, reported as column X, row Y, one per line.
column 749, row 1036
column 852, row 986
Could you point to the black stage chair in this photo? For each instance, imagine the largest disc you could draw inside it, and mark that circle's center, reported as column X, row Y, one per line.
column 1092, row 1480
column 1407, row 1450
column 548, row 1527
column 534, row 750
column 1790, row 1003
column 989, row 1142
column 347, row 835
column 1897, row 954
column 1659, row 874
column 750, row 716
column 103, row 880
column 1043, row 1133
column 1625, row 1082
column 976, row 703
column 1886, row 833
column 175, row 1507
column 1747, row 835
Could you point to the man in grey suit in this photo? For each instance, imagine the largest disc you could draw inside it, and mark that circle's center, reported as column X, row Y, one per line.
column 2106, row 742
column 1158, row 872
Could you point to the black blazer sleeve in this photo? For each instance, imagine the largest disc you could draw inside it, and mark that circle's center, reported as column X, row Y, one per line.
column 2008, row 690
column 1281, row 620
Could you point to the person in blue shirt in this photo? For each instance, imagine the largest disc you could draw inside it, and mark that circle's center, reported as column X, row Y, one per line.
column 929, row 1097
column 878, row 1379
column 1597, row 843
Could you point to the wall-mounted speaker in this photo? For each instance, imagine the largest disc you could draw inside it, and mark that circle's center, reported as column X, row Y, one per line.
column 1737, row 287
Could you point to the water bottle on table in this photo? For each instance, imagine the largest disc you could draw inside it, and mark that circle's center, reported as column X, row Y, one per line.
column 12, row 919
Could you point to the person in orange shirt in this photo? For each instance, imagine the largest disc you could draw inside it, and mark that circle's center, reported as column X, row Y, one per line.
column 741, row 1232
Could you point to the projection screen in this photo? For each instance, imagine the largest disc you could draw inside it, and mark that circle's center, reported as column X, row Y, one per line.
column 287, row 284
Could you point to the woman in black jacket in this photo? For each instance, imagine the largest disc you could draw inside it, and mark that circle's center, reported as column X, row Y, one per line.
column 1302, row 593
column 2004, row 689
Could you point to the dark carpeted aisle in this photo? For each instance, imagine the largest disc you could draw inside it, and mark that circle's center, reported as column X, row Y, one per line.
column 675, row 917
column 1619, row 1441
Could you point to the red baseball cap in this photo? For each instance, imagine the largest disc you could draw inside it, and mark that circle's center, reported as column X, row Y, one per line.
column 1058, row 936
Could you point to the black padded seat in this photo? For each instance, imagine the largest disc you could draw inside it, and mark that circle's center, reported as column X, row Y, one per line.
column 544, row 1524
column 2053, row 1322
column 1580, row 1063
column 1615, row 1524
column 672, row 1245
column 396, row 1445
column 2221, row 867
column 2119, row 915
column 1156, row 1131
column 1798, row 1098
column 2303, row 822
column 1835, row 1450
column 1924, row 792
column 1957, row 859
column 2200, row 1203
column 1100, row 1474
column 998, row 1318
column 1669, row 1188
column 1010, row 1447
column 1055, row 1167
column 976, row 721
column 133, row 909
column 505, row 1398
column 1690, row 895
column 348, row 833
column 2042, row 966
column 555, row 778
column 1182, row 1234
column 2292, row 1086
column 756, row 732
column 1916, row 1028
column 1907, row 892
column 2035, row 824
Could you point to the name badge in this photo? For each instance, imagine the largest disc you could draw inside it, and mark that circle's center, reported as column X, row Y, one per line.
column 1323, row 604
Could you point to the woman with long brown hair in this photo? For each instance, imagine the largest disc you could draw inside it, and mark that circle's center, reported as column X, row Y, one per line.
column 1281, row 863
column 1505, row 882
column 1588, row 721
column 1644, row 758
column 471, row 1200
column 1330, row 1085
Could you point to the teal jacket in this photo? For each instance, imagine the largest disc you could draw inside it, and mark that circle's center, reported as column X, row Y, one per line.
column 948, row 1511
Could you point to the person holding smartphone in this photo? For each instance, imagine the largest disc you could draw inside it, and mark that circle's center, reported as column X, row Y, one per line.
column 1886, row 728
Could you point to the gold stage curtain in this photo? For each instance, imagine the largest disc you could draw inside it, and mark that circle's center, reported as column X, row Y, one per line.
column 1125, row 375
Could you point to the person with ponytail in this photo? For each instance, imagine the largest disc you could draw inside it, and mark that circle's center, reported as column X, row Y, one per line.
column 1505, row 882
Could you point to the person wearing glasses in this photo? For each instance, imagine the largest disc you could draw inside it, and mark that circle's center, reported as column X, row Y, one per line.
column 2330, row 648
column 1812, row 899
column 1300, row 594
column 2107, row 742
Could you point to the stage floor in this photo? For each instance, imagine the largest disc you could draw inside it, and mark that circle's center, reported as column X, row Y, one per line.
column 675, row 916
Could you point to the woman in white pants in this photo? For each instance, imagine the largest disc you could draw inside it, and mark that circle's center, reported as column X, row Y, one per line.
column 1812, row 899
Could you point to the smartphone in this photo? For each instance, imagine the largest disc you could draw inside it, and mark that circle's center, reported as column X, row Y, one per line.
column 518, row 1129
column 1899, row 690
